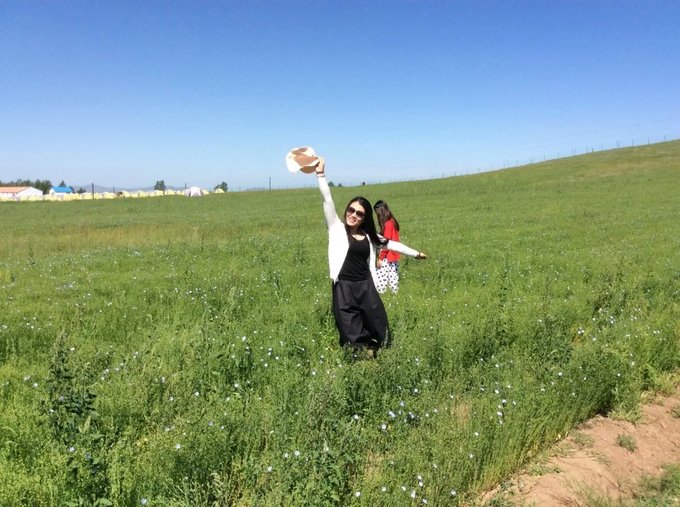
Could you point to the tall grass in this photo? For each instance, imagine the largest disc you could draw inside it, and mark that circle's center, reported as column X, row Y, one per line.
column 176, row 351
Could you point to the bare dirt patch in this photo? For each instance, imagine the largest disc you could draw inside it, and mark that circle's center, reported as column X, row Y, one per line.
column 603, row 456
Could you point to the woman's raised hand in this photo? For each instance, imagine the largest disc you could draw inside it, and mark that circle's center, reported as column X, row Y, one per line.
column 321, row 167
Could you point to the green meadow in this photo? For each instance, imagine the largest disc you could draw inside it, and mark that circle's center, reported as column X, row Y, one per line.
column 182, row 352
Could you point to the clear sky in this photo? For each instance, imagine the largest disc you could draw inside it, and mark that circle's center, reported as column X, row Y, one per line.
column 126, row 93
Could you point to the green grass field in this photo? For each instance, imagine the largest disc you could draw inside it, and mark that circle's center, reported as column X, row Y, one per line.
column 182, row 352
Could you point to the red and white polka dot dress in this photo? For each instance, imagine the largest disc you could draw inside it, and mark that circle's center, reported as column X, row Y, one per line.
column 387, row 275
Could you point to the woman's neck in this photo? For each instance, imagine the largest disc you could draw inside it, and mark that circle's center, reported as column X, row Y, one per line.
column 353, row 230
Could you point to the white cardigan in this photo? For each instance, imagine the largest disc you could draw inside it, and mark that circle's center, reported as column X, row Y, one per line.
column 338, row 242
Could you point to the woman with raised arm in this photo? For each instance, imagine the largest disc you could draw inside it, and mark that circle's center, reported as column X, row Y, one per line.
column 352, row 244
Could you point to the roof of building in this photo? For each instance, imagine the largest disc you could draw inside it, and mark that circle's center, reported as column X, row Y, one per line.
column 12, row 189
column 63, row 190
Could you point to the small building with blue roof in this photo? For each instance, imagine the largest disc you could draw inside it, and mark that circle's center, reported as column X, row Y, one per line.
column 61, row 190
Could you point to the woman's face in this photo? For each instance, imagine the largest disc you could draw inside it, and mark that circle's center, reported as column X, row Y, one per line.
column 355, row 214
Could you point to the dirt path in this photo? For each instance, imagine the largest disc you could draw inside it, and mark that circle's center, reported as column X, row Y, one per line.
column 593, row 458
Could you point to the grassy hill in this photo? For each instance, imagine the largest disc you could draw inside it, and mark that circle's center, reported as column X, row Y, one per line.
column 178, row 351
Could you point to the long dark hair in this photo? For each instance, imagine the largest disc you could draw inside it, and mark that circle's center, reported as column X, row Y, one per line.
column 367, row 224
column 384, row 214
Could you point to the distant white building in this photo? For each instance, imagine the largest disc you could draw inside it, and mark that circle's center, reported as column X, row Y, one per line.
column 19, row 192
column 195, row 192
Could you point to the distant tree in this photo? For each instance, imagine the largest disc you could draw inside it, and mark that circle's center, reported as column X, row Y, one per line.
column 222, row 186
column 339, row 185
column 43, row 185
column 331, row 184
column 81, row 190
column 160, row 185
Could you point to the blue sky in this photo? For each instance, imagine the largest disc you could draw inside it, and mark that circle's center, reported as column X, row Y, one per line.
column 123, row 94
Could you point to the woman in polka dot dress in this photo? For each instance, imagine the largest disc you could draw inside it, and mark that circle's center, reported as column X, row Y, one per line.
column 387, row 272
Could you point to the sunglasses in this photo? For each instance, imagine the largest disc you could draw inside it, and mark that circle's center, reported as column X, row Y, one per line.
column 357, row 212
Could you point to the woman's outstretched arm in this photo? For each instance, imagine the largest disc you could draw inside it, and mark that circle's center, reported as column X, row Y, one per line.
column 328, row 206
column 403, row 249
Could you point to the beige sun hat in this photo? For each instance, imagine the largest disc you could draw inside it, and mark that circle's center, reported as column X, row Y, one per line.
column 302, row 159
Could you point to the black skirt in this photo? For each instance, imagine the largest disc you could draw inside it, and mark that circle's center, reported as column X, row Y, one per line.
column 359, row 314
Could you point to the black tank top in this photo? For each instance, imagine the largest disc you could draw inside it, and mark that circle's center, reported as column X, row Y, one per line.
column 355, row 268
